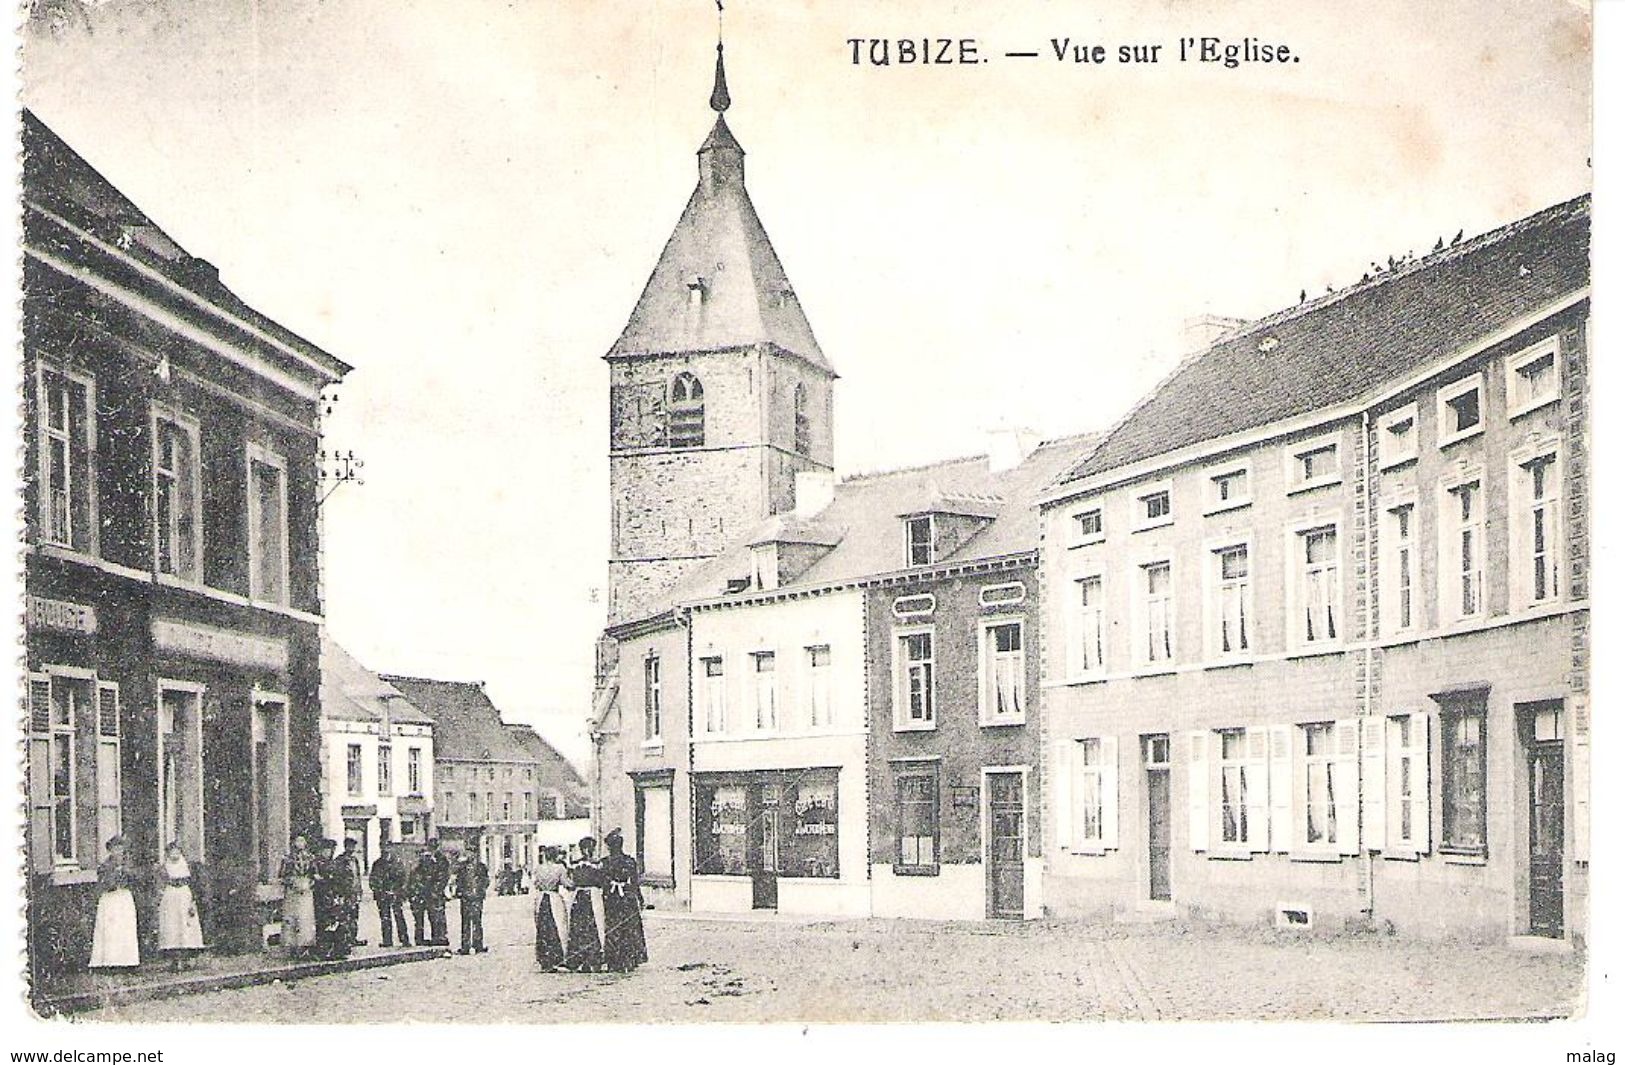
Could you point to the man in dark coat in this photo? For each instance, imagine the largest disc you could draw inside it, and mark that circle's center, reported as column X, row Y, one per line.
column 438, row 877
column 333, row 886
column 418, row 893
column 473, row 881
column 388, row 883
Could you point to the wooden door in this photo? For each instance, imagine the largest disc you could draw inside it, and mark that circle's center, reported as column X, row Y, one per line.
column 1158, row 834
column 1006, row 846
column 1546, row 839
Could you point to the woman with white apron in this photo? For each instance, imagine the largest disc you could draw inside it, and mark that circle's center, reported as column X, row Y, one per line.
column 113, row 944
column 180, row 934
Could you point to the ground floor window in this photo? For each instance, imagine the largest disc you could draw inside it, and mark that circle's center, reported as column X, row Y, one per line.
column 74, row 754
column 654, row 828
column 1462, row 772
column 180, row 767
column 918, row 842
column 269, row 735
column 783, row 821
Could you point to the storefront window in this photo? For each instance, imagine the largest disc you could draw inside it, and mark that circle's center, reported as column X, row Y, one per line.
column 722, row 831
column 781, row 822
column 810, row 846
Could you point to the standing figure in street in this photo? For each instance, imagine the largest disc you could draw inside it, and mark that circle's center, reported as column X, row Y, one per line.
column 298, row 876
column 417, row 893
column 473, row 881
column 113, row 944
column 388, row 883
column 334, row 884
column 584, row 952
column 439, row 879
column 357, row 874
column 624, row 948
column 180, row 934
column 550, row 919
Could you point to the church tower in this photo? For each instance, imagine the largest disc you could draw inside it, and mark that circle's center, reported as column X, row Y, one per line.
column 719, row 395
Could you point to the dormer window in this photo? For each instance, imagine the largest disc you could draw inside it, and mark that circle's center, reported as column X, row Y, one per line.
column 686, row 412
column 921, row 540
column 697, row 292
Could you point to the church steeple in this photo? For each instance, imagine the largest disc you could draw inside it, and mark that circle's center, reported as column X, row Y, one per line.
column 719, row 89
column 722, row 160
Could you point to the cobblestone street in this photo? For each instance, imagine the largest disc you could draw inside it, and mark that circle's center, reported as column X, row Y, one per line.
column 781, row 970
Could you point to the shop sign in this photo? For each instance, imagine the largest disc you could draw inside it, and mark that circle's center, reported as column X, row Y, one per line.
column 221, row 645
column 61, row 615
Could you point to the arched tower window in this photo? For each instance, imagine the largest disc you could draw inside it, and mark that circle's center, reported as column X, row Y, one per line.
column 803, row 424
column 686, row 425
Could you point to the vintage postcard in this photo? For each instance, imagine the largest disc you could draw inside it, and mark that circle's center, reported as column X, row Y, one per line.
column 699, row 511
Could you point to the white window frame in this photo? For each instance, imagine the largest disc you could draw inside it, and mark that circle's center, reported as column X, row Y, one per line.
column 931, row 539
column 196, row 692
column 66, row 732
column 714, row 693
column 1296, row 477
column 1075, row 524
column 1443, row 411
column 1251, row 766
column 355, row 754
column 414, row 770
column 901, row 708
column 1214, row 585
column 1210, row 486
column 1515, row 364
column 652, row 708
column 1082, row 773
column 1448, row 570
column 1390, row 454
column 820, row 705
column 1089, row 627
column 1407, row 759
column 161, row 414
column 1142, row 496
column 988, row 669
column 109, row 815
column 265, row 456
column 45, row 434
column 1297, row 584
column 1521, row 506
column 764, row 693
column 1391, row 566
column 385, row 768
column 1144, row 660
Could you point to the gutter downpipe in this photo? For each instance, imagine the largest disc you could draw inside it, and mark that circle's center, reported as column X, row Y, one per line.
column 1370, row 634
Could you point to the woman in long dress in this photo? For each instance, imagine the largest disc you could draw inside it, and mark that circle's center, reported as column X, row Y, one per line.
column 299, row 898
column 180, row 934
column 584, row 952
column 114, row 944
column 549, row 912
column 624, row 949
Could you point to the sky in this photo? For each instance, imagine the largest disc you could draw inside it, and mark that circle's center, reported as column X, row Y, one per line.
column 463, row 199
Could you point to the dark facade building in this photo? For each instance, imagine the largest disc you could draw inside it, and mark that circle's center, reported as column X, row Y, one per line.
column 172, row 564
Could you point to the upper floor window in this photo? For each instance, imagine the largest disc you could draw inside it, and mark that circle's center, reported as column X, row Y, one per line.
column 803, row 422
column 177, row 511
column 1314, row 464
column 352, row 769
column 386, row 769
column 921, row 540
column 715, row 694
column 67, row 440
column 1320, row 589
column 1461, row 410
column 1229, row 488
column 1396, row 437
column 1233, row 604
column 818, row 665
column 1088, row 527
column 1154, row 507
column 1091, row 643
column 1536, row 517
column 686, row 412
column 1004, row 669
column 267, row 526
column 916, row 680
column 1532, row 378
column 1158, row 607
column 1397, row 582
column 767, row 708
column 1461, row 555
column 414, row 770
column 651, row 698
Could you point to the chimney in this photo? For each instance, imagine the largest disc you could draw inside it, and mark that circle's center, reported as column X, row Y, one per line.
column 1204, row 330
column 1008, row 447
column 815, row 490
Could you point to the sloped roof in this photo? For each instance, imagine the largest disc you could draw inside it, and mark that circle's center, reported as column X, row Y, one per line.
column 59, row 180
column 1341, row 346
column 352, row 692
column 748, row 298
column 864, row 514
column 554, row 771
column 468, row 725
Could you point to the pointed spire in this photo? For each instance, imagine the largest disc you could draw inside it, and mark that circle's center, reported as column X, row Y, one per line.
column 719, row 90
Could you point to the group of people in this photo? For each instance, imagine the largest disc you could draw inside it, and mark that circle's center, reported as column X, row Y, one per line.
column 321, row 898
column 589, row 913
column 115, row 941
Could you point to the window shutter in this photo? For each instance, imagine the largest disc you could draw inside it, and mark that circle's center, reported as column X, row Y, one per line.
column 39, row 804
column 1393, row 752
column 1063, row 793
column 1346, row 786
column 1108, row 792
column 39, row 702
column 1196, row 783
column 108, row 770
column 107, row 710
column 1422, row 819
column 1281, row 788
column 1373, row 784
column 1258, row 789
column 1300, row 788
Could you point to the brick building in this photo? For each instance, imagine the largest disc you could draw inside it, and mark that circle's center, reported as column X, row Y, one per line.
column 1318, row 612
column 172, row 565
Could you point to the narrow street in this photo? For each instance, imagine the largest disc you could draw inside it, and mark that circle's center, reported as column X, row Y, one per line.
column 779, row 969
